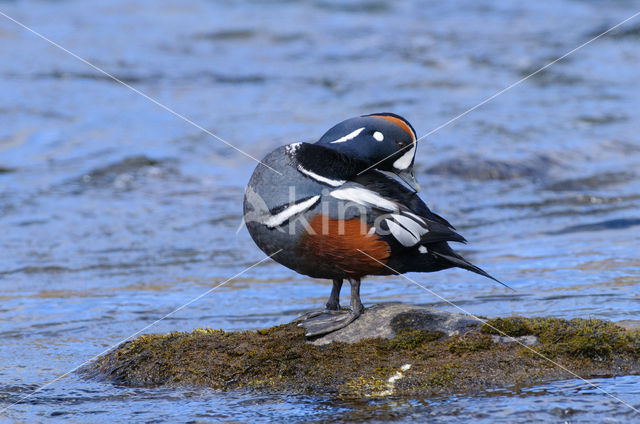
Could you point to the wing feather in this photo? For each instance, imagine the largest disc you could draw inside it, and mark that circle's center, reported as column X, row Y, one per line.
column 405, row 216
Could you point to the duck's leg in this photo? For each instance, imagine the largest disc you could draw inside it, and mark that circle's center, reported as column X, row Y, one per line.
column 334, row 320
column 333, row 304
column 331, row 308
column 356, row 304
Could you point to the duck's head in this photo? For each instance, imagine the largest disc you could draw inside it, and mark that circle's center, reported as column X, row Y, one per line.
column 384, row 141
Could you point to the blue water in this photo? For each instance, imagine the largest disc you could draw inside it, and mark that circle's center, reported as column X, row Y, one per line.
column 113, row 212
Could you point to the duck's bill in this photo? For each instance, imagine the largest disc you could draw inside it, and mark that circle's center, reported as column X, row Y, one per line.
column 409, row 177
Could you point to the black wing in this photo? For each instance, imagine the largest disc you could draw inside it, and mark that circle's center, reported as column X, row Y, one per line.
column 414, row 217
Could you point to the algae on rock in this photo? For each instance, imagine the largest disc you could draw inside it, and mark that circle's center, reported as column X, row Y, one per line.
column 414, row 362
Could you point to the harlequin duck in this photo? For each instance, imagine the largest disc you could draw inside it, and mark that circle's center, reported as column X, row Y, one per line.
column 326, row 218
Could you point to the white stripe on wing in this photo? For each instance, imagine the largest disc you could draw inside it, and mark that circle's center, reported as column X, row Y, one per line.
column 277, row 219
column 320, row 178
column 364, row 197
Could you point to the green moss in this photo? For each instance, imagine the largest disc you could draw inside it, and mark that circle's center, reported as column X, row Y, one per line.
column 512, row 326
column 589, row 338
column 411, row 339
column 444, row 376
column 362, row 386
column 279, row 359
column 469, row 343
column 207, row 331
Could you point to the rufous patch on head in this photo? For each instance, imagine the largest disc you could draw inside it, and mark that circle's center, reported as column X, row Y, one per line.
column 400, row 123
column 341, row 243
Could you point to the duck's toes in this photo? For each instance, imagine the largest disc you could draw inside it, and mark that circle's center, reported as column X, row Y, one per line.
column 314, row 314
column 327, row 322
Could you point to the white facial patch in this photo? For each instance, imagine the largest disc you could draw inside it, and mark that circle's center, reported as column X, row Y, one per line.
column 320, row 178
column 378, row 136
column 275, row 220
column 349, row 136
column 422, row 249
column 404, row 161
column 364, row 197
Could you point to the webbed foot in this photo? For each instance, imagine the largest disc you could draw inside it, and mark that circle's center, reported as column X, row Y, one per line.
column 327, row 322
column 314, row 314
column 318, row 323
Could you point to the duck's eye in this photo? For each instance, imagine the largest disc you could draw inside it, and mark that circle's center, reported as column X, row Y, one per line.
column 378, row 136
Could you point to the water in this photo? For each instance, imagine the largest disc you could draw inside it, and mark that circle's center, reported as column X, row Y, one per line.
column 114, row 212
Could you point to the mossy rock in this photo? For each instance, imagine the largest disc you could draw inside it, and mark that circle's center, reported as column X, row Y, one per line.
column 413, row 363
column 586, row 338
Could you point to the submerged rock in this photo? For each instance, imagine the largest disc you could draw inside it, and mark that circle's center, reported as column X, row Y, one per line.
column 124, row 175
column 417, row 352
column 483, row 169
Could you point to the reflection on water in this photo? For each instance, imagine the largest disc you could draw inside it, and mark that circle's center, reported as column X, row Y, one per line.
column 114, row 212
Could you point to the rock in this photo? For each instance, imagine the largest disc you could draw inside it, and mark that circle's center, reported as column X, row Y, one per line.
column 523, row 340
column 391, row 350
column 386, row 320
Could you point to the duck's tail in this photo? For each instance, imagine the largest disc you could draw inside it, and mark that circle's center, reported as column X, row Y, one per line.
column 456, row 260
